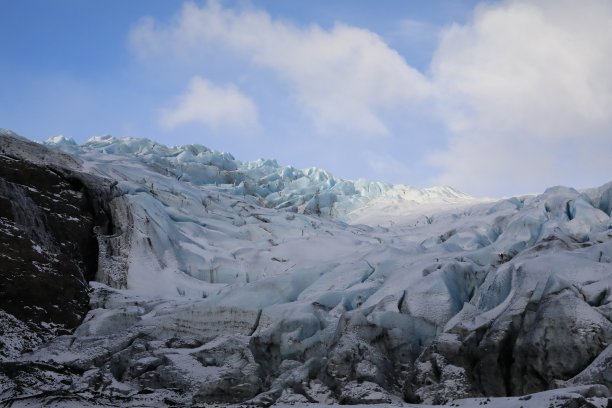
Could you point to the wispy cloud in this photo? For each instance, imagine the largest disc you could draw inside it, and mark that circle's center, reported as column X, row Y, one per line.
column 211, row 105
column 385, row 164
column 523, row 88
column 417, row 31
column 342, row 78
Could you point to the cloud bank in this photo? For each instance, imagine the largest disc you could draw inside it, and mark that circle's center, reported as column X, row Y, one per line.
column 526, row 91
column 523, row 88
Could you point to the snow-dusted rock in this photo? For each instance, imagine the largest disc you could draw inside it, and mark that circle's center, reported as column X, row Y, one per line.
column 363, row 393
column 49, row 210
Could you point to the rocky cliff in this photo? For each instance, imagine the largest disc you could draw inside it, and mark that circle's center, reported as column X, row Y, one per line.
column 51, row 214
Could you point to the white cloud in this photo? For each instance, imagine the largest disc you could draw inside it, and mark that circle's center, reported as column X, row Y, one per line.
column 211, row 105
column 523, row 87
column 343, row 78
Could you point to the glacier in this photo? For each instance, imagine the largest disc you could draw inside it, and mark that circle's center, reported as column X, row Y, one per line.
column 227, row 282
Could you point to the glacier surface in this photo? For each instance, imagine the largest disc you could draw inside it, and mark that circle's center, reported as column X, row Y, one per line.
column 229, row 282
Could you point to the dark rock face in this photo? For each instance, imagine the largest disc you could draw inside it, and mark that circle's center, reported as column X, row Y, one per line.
column 48, row 248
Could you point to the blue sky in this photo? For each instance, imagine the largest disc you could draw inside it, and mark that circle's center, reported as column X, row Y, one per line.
column 494, row 98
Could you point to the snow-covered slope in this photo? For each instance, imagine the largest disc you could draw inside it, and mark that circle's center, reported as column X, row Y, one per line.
column 311, row 191
column 226, row 282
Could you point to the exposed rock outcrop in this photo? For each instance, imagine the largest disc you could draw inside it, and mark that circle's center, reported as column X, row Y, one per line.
column 48, row 248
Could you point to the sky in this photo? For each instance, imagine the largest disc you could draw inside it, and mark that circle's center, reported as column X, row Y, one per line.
column 494, row 98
